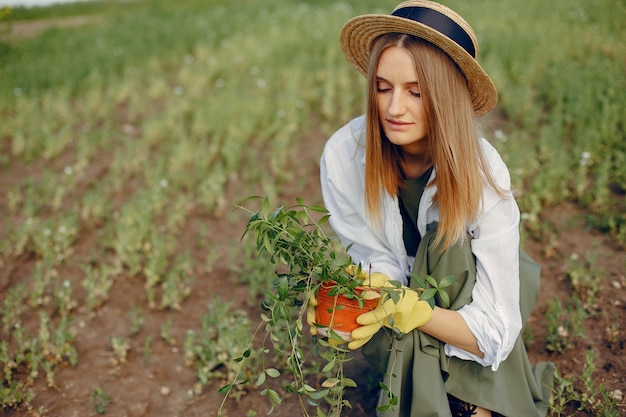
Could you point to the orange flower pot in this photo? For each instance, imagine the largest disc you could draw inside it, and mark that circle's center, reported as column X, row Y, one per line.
column 340, row 313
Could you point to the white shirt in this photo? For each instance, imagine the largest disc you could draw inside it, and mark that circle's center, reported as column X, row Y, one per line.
column 494, row 314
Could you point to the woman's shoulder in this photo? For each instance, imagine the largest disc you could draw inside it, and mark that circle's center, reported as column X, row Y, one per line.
column 497, row 166
column 349, row 136
column 490, row 152
column 344, row 152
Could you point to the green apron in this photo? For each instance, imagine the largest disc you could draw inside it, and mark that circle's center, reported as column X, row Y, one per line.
column 416, row 369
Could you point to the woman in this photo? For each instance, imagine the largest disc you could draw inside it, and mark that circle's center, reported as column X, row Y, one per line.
column 413, row 190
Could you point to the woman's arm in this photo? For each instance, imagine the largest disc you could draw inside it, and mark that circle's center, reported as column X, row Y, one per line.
column 494, row 315
column 449, row 327
column 342, row 181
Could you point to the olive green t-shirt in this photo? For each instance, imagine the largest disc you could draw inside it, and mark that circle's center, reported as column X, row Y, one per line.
column 409, row 198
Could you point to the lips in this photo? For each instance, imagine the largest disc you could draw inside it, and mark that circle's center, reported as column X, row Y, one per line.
column 397, row 124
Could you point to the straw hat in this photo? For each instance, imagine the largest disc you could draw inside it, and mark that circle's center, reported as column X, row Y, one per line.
column 433, row 22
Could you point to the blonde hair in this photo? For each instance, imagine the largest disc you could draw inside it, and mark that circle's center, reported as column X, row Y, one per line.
column 460, row 166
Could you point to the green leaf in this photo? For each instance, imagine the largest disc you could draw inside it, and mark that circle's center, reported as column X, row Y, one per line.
column 330, row 382
column 394, row 283
column 267, row 245
column 329, row 366
column 428, row 294
column 308, row 388
column 282, row 312
column 324, row 219
column 445, row 298
column 274, row 397
column 419, row 282
column 277, row 213
column 265, row 206
column 432, row 281
column 318, row 209
column 446, row 281
column 261, row 380
column 272, row 372
column 283, row 288
column 225, row 389
column 318, row 395
column 349, row 382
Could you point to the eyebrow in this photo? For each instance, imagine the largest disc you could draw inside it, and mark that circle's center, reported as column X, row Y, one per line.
column 410, row 83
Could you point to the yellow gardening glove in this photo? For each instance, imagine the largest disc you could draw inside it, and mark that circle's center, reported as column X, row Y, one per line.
column 374, row 280
column 377, row 280
column 405, row 314
column 311, row 315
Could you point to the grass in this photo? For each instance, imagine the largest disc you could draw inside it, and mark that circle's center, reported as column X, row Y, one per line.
column 563, row 100
column 124, row 128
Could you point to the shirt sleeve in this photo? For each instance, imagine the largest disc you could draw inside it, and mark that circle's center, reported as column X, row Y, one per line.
column 341, row 176
column 494, row 315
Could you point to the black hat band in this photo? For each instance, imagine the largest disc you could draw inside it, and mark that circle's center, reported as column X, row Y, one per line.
column 440, row 23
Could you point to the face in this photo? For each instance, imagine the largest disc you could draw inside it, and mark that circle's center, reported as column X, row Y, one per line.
column 399, row 101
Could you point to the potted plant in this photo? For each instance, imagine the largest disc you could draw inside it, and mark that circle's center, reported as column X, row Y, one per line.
column 309, row 266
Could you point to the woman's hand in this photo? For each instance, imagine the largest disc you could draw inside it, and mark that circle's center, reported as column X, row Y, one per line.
column 399, row 309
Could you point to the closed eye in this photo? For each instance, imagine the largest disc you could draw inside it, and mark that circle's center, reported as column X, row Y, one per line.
column 382, row 86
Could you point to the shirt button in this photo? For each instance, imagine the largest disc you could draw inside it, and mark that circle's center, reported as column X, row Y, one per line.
column 498, row 308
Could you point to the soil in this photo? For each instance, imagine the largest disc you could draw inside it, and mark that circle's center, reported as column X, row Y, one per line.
column 161, row 384
column 22, row 30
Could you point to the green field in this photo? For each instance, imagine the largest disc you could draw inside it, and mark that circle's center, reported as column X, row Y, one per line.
column 125, row 139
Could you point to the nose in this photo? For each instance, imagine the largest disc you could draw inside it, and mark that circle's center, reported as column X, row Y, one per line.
column 396, row 104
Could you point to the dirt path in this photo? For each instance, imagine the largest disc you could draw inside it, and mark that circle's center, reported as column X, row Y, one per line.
column 16, row 31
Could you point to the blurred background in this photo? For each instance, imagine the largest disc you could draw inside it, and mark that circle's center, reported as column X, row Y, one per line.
column 31, row 3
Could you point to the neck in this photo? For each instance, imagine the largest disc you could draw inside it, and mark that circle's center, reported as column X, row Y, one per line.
column 416, row 161
column 415, row 166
